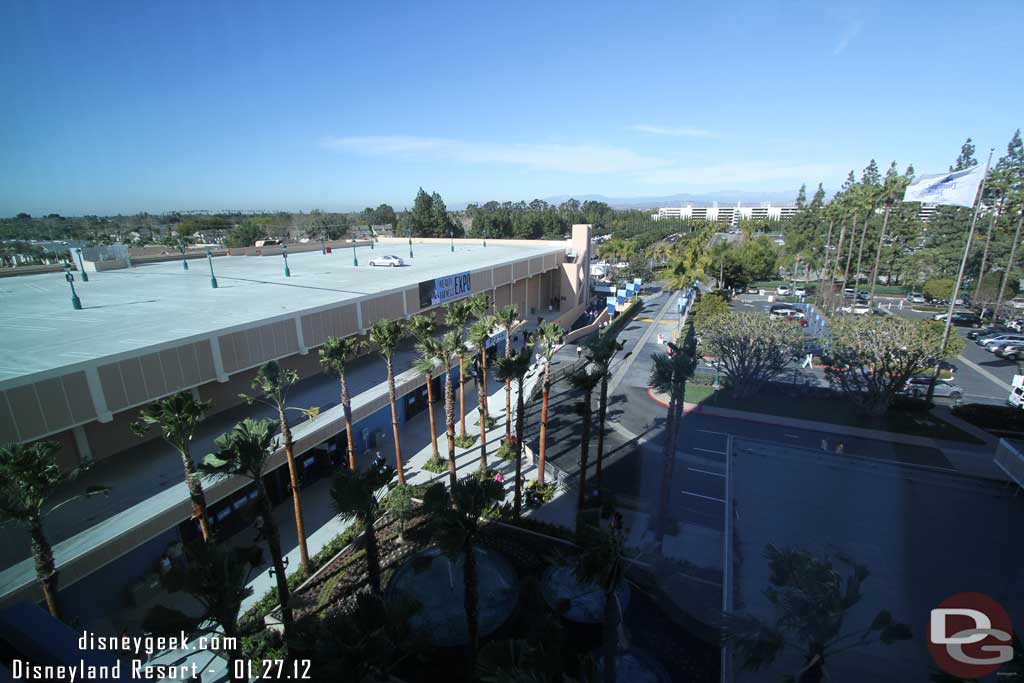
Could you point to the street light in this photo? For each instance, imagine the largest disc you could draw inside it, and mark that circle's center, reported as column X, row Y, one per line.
column 76, row 303
column 323, row 246
column 213, row 278
column 371, row 237
column 451, row 236
column 410, row 241
column 284, row 252
column 485, row 236
column 355, row 261
column 184, row 262
column 81, row 265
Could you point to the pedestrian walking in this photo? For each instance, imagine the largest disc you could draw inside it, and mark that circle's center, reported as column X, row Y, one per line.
column 579, row 352
column 499, row 478
column 259, row 528
column 808, row 361
column 839, row 448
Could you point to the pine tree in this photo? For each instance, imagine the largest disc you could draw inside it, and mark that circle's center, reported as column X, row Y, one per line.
column 966, row 158
column 801, row 197
column 422, row 215
column 440, row 222
column 871, row 176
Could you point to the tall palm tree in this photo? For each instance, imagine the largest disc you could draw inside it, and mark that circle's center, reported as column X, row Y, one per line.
column 245, row 452
column 355, row 497
column 426, row 364
column 668, row 375
column 479, row 332
column 480, row 305
column 177, row 417
column 455, row 516
column 550, row 336
column 457, row 315
column 586, row 380
column 335, row 356
column 514, row 369
column 602, row 562
column 275, row 381
column 385, row 335
column 506, row 319
column 450, row 347
column 29, row 476
column 602, row 349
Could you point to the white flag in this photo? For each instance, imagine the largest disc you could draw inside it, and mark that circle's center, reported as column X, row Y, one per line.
column 956, row 187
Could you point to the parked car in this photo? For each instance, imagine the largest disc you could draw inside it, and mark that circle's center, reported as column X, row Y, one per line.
column 961, row 318
column 783, row 290
column 915, row 298
column 752, row 290
column 790, row 314
column 986, row 331
column 856, row 309
column 800, row 291
column 998, row 346
column 849, row 292
column 387, row 260
column 994, row 339
column 1011, row 352
column 917, row 387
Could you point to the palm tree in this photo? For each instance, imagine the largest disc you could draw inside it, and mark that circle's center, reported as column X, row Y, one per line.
column 274, row 381
column 422, row 329
column 29, row 477
column 457, row 315
column 586, row 380
column 455, row 516
column 335, row 355
column 506, row 319
column 514, row 369
column 244, row 452
column 668, row 375
column 355, row 497
column 550, row 336
column 479, row 333
column 449, row 348
column 602, row 563
column 217, row 577
column 602, row 349
column 177, row 417
column 812, row 601
column 385, row 335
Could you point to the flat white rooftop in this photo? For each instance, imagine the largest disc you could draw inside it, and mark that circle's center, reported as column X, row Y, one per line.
column 134, row 308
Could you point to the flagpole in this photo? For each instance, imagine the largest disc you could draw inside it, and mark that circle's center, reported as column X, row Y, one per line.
column 959, row 280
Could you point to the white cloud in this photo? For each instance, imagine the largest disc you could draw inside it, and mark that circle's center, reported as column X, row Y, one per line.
column 743, row 173
column 553, row 157
column 852, row 31
column 677, row 132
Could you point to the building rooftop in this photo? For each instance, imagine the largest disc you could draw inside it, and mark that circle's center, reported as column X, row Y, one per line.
column 130, row 309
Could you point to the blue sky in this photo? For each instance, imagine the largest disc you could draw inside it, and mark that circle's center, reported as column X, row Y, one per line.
column 124, row 107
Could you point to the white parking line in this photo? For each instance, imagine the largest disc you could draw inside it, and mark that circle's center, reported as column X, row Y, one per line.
column 794, row 436
column 698, row 495
column 713, row 474
column 708, row 450
column 985, row 373
column 708, row 431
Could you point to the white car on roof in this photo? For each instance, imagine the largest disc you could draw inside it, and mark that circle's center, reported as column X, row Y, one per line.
column 388, row 260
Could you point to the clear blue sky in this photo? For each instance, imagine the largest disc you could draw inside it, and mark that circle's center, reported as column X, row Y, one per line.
column 129, row 106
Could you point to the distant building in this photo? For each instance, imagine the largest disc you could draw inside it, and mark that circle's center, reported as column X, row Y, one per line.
column 729, row 215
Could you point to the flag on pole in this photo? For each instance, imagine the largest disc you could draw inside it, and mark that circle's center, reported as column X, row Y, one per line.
column 958, row 188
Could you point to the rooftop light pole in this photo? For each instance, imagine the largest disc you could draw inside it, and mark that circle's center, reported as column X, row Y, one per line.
column 184, row 261
column 213, row 278
column 451, row 236
column 81, row 265
column 284, row 252
column 323, row 246
column 76, row 303
column 410, row 241
column 485, row 236
column 355, row 261
column 371, row 237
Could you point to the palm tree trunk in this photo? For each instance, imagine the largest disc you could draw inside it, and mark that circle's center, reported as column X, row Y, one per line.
column 462, row 397
column 394, row 421
column 293, row 480
column 517, row 506
column 46, row 570
column 602, row 411
column 449, row 423
column 849, row 258
column 274, row 545
column 434, row 455
column 860, row 249
column 878, row 253
column 346, row 405
column 508, row 387
column 195, row 493
column 471, row 589
column 372, row 553
column 482, row 396
column 543, row 423
column 584, row 451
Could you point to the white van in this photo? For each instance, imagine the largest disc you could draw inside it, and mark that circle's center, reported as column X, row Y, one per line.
column 1016, row 398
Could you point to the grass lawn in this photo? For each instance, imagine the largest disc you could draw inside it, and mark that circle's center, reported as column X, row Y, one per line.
column 835, row 411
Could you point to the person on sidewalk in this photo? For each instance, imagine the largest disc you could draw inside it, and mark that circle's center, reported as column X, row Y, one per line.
column 498, row 478
column 808, row 361
column 259, row 529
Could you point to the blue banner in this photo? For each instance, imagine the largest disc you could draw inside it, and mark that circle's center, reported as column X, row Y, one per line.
column 443, row 289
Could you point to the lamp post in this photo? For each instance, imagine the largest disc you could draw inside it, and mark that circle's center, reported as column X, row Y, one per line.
column 184, row 262
column 76, row 303
column 355, row 261
column 485, row 237
column 410, row 241
column 323, row 246
column 284, row 252
column 213, row 278
column 451, row 236
column 81, row 265
column 371, row 237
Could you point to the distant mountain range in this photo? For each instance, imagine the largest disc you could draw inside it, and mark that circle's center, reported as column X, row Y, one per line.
column 723, row 198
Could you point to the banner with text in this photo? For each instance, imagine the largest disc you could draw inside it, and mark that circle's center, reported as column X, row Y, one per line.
column 444, row 289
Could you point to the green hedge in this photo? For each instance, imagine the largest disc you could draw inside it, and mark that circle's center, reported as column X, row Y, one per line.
column 999, row 418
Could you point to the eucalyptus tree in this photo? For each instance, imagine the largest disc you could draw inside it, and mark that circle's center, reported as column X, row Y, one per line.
column 422, row 329
column 245, row 451
column 479, row 333
column 335, row 356
column 585, row 379
column 506, row 319
column 386, row 335
column 29, row 477
column 601, row 349
column 457, row 315
column 550, row 336
column 275, row 381
column 513, row 369
column 355, row 498
column 176, row 417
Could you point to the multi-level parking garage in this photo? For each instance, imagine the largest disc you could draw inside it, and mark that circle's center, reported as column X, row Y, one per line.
column 78, row 377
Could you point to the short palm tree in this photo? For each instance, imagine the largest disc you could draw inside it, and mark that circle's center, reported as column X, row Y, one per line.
column 550, row 336
column 602, row 349
column 355, row 497
column 336, row 355
column 603, row 563
column 29, row 476
column 422, row 329
column 479, row 333
column 450, row 347
column 586, row 380
column 506, row 319
column 457, row 315
column 176, row 417
column 245, row 452
column 455, row 517
column 385, row 335
column 274, row 382
column 513, row 369
column 668, row 375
